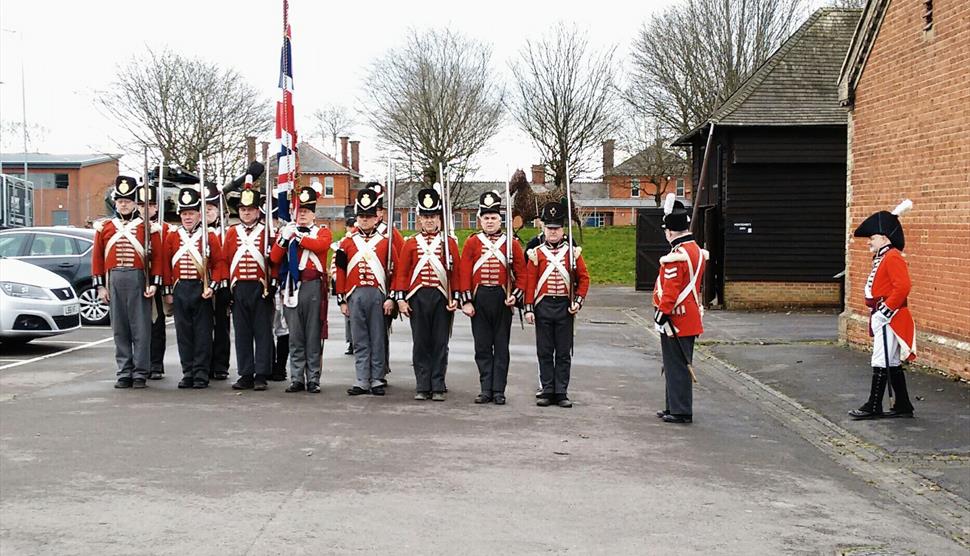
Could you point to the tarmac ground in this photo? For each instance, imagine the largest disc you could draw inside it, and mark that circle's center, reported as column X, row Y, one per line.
column 770, row 465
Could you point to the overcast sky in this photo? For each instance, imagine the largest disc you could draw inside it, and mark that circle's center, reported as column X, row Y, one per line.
column 72, row 49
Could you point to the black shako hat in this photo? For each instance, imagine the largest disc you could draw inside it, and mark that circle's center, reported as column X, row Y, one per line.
column 125, row 188
column 189, row 199
column 151, row 192
column 676, row 217
column 429, row 201
column 489, row 202
column 553, row 214
column 886, row 223
column 367, row 202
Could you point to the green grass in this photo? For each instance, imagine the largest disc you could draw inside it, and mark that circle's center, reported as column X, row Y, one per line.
column 609, row 252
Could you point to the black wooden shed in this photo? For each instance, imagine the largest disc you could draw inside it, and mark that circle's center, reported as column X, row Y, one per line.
column 772, row 208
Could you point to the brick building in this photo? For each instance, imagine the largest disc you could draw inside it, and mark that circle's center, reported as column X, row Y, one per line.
column 69, row 189
column 906, row 86
column 640, row 181
column 771, row 208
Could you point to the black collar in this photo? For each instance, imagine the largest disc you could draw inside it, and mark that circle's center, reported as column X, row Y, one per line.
column 682, row 239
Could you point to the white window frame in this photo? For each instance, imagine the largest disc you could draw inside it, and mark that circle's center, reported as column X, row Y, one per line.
column 680, row 187
column 634, row 187
column 328, row 187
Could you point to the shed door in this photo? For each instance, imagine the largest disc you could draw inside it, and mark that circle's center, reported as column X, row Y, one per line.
column 651, row 245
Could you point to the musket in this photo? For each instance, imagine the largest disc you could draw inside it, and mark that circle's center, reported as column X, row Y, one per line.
column 569, row 244
column 267, row 224
column 445, row 228
column 204, row 225
column 389, row 193
column 680, row 348
column 161, row 197
column 148, row 226
column 509, row 257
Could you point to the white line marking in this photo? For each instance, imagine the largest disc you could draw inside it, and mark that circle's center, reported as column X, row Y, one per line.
column 11, row 360
column 55, row 354
column 58, row 342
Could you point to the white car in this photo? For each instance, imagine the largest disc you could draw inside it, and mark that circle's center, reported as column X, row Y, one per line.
column 34, row 303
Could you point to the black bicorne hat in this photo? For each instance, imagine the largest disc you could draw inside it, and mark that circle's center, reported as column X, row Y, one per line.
column 886, row 223
column 189, row 199
column 367, row 202
column 490, row 202
column 126, row 187
column 429, row 201
column 676, row 217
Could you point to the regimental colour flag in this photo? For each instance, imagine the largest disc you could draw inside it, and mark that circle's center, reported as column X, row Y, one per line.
column 285, row 127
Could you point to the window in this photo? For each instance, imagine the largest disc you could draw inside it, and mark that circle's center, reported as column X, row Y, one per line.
column 410, row 219
column 61, row 181
column 595, row 220
column 680, row 187
column 397, row 219
column 11, row 245
column 40, row 181
column 634, row 187
column 927, row 15
column 328, row 186
column 60, row 218
column 49, row 245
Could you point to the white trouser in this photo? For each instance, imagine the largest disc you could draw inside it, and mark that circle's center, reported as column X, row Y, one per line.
column 885, row 342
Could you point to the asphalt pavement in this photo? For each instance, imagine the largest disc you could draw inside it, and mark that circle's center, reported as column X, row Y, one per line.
column 769, row 465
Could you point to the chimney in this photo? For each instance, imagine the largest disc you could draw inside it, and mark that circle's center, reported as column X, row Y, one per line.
column 355, row 156
column 250, row 149
column 265, row 178
column 608, row 156
column 538, row 174
column 343, row 151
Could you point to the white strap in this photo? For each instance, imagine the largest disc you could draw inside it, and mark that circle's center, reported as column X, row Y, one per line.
column 188, row 246
column 123, row 230
column 309, row 255
column 492, row 250
column 428, row 257
column 367, row 254
column 247, row 245
column 691, row 288
column 553, row 262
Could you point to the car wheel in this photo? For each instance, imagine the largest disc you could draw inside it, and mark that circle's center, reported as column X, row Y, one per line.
column 93, row 311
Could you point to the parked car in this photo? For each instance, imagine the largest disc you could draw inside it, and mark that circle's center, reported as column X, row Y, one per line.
column 34, row 303
column 65, row 251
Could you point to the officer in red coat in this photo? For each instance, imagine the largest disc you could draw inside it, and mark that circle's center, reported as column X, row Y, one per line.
column 252, row 285
column 554, row 292
column 890, row 323
column 363, row 292
column 678, row 310
column 493, row 282
column 119, row 271
column 427, row 286
column 193, row 276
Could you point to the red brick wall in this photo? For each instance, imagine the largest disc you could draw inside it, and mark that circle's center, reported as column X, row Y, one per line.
column 83, row 198
column 909, row 136
column 778, row 295
column 619, row 187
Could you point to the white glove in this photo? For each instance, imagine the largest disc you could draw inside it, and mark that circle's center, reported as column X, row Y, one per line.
column 288, row 231
column 878, row 320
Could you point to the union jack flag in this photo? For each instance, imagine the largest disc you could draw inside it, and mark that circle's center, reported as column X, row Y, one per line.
column 285, row 127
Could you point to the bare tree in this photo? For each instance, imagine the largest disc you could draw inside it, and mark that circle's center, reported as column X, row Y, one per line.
column 186, row 107
column 565, row 99
column 695, row 54
column 848, row 3
column 331, row 122
column 436, row 101
column 12, row 136
column 659, row 165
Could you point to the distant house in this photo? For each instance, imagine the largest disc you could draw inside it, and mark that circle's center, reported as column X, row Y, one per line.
column 772, row 211
column 906, row 85
column 69, row 189
column 646, row 176
column 338, row 180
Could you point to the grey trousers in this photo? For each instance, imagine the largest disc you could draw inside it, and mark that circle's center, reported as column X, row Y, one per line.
column 306, row 346
column 366, row 306
column 131, row 322
column 678, row 392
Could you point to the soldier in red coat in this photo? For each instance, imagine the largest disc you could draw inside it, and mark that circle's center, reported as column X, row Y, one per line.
column 492, row 285
column 160, row 229
column 678, row 310
column 118, row 265
column 219, row 363
column 252, row 285
column 302, row 248
column 385, row 227
column 427, row 284
column 890, row 323
column 364, row 294
column 192, row 276
column 554, row 292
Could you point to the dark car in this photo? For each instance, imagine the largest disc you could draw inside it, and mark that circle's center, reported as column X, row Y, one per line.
column 65, row 251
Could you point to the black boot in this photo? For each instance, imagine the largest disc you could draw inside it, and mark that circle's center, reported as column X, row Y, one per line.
column 282, row 356
column 901, row 406
column 872, row 409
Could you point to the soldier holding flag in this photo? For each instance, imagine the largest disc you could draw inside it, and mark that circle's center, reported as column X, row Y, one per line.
column 428, row 291
column 555, row 290
column 127, row 282
column 493, row 282
column 678, row 310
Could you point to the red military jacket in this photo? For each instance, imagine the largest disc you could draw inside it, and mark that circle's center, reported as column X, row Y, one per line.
column 398, row 240
column 245, row 251
column 548, row 272
column 421, row 264
column 887, row 289
column 311, row 252
column 677, row 290
column 121, row 244
column 484, row 262
column 361, row 260
column 183, row 258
